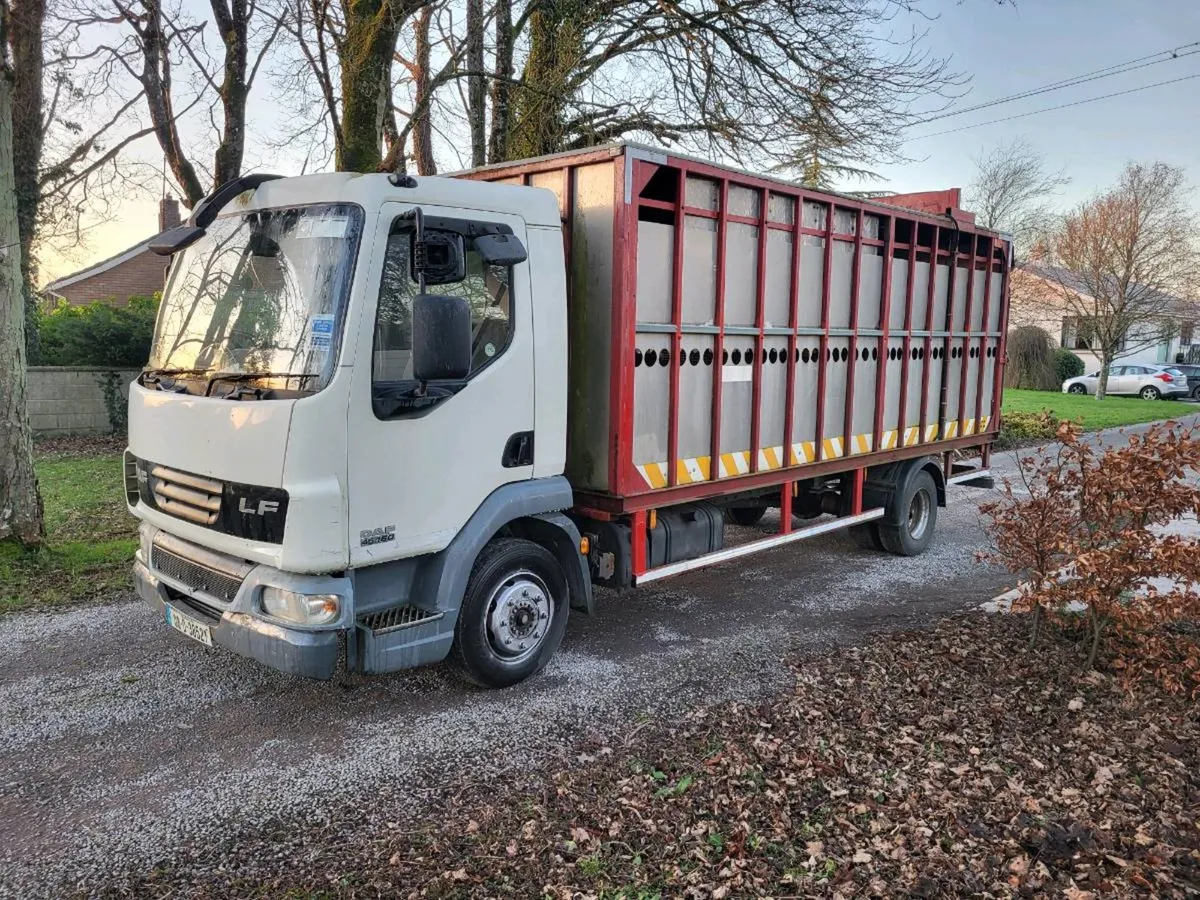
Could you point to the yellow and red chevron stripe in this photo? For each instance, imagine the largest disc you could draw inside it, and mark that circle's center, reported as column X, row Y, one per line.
column 699, row 468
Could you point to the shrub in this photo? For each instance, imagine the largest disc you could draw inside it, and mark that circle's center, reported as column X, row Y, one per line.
column 1020, row 428
column 1066, row 365
column 1030, row 360
column 1092, row 530
column 98, row 334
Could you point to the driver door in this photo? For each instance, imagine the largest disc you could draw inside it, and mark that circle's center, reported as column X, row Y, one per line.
column 416, row 476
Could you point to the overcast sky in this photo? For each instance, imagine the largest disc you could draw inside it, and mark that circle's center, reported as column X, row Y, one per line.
column 1005, row 50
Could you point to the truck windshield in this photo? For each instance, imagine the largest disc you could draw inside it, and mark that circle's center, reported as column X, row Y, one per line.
column 261, row 294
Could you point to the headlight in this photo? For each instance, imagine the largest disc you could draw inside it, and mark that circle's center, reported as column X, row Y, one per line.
column 304, row 609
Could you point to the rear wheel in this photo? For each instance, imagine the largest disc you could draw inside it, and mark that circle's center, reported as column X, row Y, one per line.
column 1077, row 389
column 513, row 615
column 747, row 515
column 916, row 512
column 1149, row 392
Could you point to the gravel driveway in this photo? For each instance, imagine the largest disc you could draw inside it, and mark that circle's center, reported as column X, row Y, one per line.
column 125, row 743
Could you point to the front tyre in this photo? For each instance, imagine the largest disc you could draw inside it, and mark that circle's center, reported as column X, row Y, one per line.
column 1077, row 389
column 513, row 615
column 917, row 515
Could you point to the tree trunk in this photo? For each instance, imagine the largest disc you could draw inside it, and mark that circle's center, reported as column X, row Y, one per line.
column 501, row 84
column 422, row 123
column 371, row 27
column 20, row 505
column 476, row 89
column 1106, row 360
column 25, row 39
column 233, row 23
column 539, row 103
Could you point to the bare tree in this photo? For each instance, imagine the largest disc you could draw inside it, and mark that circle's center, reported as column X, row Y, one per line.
column 20, row 505
column 1013, row 192
column 1124, row 260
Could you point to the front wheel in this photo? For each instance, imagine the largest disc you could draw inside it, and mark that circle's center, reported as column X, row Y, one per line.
column 917, row 515
column 1149, row 392
column 513, row 615
column 1196, row 393
column 1077, row 389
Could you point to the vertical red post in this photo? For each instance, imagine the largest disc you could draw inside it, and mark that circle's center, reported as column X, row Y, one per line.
column 793, row 352
column 622, row 474
column 965, row 356
column 785, row 507
column 909, row 289
column 928, row 341
column 885, row 326
column 760, row 291
column 638, row 537
column 714, row 466
column 856, row 491
column 984, row 360
column 855, row 282
column 823, row 348
column 676, row 335
column 1002, row 349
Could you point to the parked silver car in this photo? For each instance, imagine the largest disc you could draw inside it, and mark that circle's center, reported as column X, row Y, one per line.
column 1145, row 380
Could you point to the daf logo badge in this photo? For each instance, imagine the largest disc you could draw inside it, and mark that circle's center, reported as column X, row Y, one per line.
column 264, row 507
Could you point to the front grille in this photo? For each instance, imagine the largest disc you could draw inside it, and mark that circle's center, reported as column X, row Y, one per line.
column 397, row 618
column 187, row 496
column 195, row 576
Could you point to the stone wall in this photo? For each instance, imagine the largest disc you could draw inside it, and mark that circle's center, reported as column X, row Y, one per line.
column 69, row 399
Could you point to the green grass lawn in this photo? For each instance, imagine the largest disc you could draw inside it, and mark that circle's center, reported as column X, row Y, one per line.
column 90, row 537
column 1095, row 414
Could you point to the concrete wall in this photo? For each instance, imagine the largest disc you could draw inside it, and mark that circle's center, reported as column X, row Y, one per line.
column 69, row 399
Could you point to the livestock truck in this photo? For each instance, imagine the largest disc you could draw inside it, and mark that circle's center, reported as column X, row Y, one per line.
column 387, row 420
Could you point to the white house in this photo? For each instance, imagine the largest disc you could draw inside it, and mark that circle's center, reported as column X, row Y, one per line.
column 1037, row 299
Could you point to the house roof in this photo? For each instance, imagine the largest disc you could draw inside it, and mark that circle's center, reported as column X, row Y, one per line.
column 97, row 268
column 1172, row 303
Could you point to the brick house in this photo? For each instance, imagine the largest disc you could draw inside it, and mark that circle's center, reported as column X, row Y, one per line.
column 135, row 272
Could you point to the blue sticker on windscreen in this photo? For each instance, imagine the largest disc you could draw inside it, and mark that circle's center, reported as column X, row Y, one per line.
column 320, row 332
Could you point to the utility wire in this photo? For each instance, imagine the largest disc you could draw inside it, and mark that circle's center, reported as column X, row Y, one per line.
column 1118, row 69
column 1035, row 112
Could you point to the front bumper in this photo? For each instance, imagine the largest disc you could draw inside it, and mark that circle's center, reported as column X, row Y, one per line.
column 310, row 653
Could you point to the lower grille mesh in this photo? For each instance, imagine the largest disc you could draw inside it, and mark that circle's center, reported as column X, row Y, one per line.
column 195, row 576
column 395, row 619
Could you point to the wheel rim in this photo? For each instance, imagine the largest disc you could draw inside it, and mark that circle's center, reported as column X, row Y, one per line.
column 1077, row 389
column 918, row 515
column 1149, row 393
column 519, row 615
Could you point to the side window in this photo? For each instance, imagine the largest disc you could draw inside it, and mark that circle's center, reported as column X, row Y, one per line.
column 487, row 288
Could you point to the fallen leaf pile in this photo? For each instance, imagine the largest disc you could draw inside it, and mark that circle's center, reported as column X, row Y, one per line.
column 943, row 763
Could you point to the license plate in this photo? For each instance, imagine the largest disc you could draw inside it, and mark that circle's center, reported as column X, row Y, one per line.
column 197, row 631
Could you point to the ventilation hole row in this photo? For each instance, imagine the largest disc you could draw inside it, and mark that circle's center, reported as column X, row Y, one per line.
column 738, row 357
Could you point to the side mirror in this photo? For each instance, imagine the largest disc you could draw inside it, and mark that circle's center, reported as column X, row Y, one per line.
column 501, row 249
column 175, row 239
column 441, row 337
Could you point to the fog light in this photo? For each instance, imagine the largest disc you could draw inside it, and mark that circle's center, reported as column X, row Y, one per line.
column 303, row 609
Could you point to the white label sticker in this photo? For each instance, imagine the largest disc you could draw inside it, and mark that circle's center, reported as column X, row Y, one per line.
column 324, row 227
column 320, row 332
column 489, row 349
column 737, row 373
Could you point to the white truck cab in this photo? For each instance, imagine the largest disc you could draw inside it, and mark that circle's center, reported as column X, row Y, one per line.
column 304, row 499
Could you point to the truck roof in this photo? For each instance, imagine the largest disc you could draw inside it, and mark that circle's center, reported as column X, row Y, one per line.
column 536, row 206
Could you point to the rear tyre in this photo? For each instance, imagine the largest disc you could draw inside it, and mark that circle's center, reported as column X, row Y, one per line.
column 1077, row 389
column 1149, row 392
column 747, row 516
column 916, row 510
column 513, row 615
column 867, row 536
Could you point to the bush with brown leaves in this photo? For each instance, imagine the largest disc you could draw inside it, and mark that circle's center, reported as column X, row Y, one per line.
column 1092, row 530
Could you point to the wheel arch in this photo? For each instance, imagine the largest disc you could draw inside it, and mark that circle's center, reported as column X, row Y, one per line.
column 884, row 483
column 529, row 509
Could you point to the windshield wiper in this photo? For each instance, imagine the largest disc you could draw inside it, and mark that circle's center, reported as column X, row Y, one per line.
column 214, row 377
column 164, row 379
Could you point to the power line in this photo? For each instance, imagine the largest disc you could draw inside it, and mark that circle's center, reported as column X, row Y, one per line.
column 1132, row 65
column 1047, row 109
